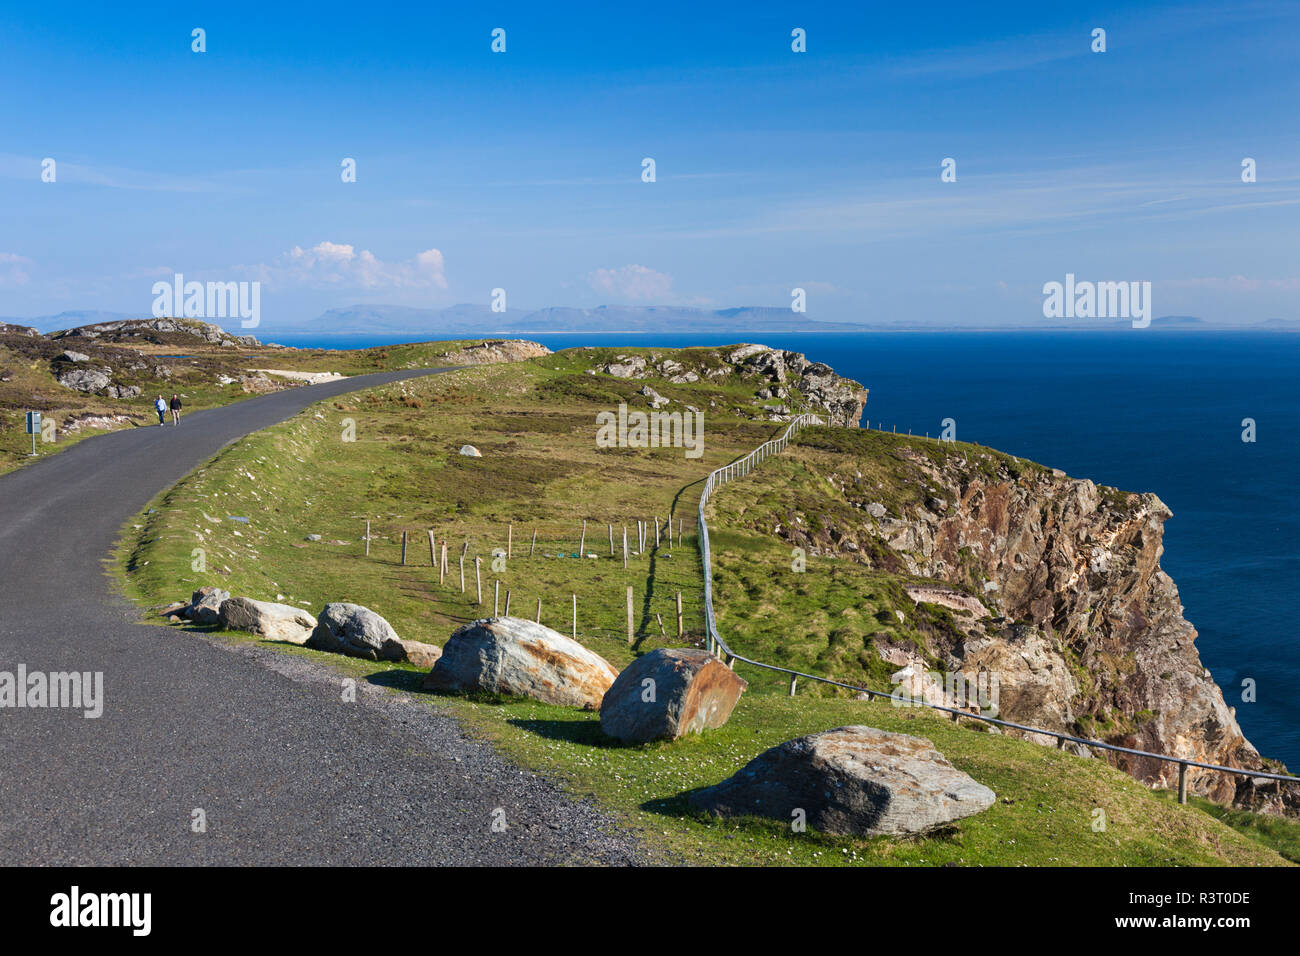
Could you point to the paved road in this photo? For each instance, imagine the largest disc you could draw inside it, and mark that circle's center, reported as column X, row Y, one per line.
column 284, row 771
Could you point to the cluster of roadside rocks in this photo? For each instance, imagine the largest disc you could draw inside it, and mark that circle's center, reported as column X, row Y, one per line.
column 777, row 374
column 855, row 781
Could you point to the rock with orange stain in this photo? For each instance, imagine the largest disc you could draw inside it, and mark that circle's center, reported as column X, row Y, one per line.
column 668, row 693
column 509, row 655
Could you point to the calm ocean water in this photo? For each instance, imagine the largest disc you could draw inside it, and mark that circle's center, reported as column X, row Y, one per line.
column 1142, row 410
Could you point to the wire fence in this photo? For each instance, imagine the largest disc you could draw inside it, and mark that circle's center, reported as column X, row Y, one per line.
column 742, row 467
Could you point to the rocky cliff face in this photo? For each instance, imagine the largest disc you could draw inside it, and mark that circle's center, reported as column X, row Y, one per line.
column 149, row 329
column 495, row 351
column 1085, row 631
column 785, row 384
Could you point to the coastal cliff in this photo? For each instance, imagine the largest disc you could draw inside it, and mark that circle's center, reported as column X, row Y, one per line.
column 1055, row 585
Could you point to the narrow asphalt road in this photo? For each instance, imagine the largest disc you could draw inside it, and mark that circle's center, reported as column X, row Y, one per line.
column 280, row 768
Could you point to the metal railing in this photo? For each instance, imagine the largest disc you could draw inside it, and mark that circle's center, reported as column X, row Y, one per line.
column 742, row 467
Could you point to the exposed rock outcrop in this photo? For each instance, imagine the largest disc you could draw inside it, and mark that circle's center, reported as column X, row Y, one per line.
column 668, row 693
column 495, row 351
column 1089, row 636
column 509, row 655
column 83, row 378
column 851, row 781
column 799, row 384
column 128, row 329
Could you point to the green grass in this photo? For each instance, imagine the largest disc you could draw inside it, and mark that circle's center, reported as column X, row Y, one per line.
column 26, row 361
column 535, row 425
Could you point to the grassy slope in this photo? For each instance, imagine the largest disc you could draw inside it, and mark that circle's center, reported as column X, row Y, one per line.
column 33, row 386
column 535, row 425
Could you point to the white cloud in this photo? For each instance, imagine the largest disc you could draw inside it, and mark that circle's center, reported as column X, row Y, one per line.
column 13, row 269
column 332, row 264
column 634, row 282
column 1234, row 283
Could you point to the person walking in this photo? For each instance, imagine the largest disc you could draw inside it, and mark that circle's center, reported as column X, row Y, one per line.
column 176, row 409
column 160, row 406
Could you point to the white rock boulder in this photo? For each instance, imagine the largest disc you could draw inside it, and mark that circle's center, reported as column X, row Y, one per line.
column 277, row 622
column 851, row 781
column 509, row 655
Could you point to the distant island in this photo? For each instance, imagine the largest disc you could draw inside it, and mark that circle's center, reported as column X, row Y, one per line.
column 472, row 320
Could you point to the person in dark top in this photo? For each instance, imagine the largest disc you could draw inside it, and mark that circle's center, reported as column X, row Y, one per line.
column 176, row 409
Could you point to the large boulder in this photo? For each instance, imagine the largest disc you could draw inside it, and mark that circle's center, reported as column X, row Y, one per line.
column 668, row 693
column 508, row 655
column 84, row 379
column 421, row 654
column 278, row 622
column 356, row 631
column 205, row 605
column 851, row 781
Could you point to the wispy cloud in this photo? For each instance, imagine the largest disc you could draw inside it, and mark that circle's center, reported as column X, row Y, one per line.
column 14, row 269
column 632, row 282
column 340, row 265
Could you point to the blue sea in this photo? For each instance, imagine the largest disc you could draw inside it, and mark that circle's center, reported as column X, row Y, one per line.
column 1143, row 410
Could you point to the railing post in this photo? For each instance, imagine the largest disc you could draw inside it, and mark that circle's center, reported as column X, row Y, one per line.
column 1182, row 782
column 793, row 680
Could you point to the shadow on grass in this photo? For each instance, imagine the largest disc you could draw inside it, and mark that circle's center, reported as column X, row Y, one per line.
column 398, row 679
column 584, row 732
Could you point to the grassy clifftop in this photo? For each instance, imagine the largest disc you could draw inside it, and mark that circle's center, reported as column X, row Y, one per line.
column 139, row 362
column 542, row 472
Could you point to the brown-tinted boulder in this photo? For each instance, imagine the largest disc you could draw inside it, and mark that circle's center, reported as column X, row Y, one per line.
column 509, row 655
column 669, row 693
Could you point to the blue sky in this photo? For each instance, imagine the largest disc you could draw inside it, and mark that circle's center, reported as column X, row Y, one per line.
column 522, row 170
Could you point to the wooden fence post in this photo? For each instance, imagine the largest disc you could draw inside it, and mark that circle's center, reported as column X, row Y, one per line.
column 433, row 555
column 478, row 578
column 582, row 541
column 575, row 617
column 611, row 540
column 507, row 602
column 367, row 539
column 625, row 547
column 496, row 598
column 533, row 544
column 539, row 610
column 629, row 614
column 679, row 614
column 403, row 547
column 462, row 572
column 442, row 568
column 510, row 535
column 656, row 531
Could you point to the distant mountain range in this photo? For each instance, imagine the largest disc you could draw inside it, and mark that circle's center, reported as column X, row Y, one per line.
column 467, row 320
column 481, row 320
